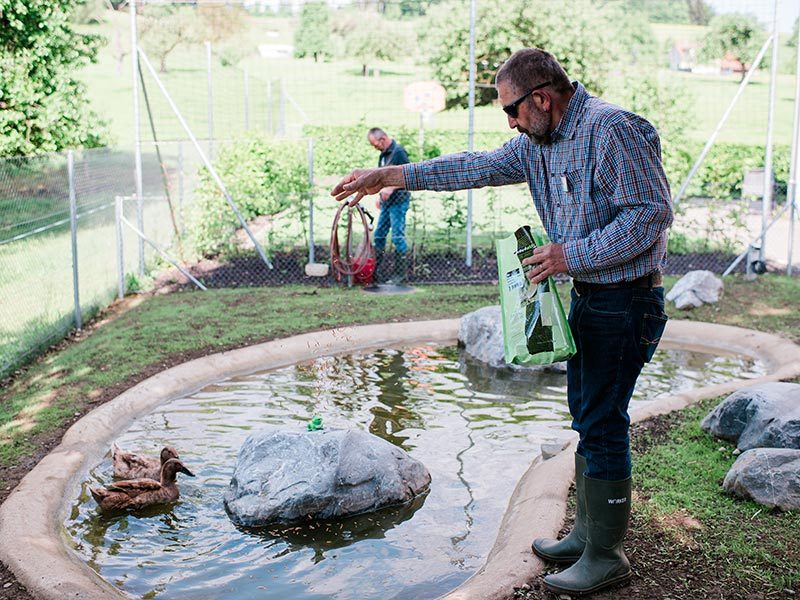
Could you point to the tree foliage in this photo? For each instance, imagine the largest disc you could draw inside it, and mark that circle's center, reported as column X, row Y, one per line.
column 368, row 37
column 734, row 35
column 587, row 49
column 162, row 29
column 313, row 35
column 43, row 107
column 660, row 11
column 700, row 12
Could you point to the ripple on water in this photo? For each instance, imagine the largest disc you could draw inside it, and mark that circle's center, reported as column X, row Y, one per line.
column 474, row 429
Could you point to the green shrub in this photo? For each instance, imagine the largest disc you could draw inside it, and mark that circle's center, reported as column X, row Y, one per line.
column 338, row 150
column 264, row 178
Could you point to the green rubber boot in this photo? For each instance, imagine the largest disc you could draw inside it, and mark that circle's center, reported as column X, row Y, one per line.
column 568, row 549
column 379, row 275
column 400, row 277
column 603, row 563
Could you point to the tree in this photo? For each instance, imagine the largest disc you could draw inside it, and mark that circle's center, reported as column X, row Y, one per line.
column 661, row 11
column 368, row 37
column 736, row 36
column 700, row 12
column 313, row 35
column 43, row 106
column 162, row 29
column 586, row 48
column 792, row 41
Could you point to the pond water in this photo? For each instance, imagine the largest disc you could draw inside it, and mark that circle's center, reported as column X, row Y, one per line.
column 475, row 431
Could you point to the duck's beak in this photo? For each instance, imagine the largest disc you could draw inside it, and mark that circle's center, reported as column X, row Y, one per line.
column 186, row 471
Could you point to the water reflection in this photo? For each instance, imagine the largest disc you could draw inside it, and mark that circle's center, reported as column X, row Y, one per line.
column 475, row 430
column 324, row 536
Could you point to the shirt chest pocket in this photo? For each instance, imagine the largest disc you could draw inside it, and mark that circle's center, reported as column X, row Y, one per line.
column 567, row 187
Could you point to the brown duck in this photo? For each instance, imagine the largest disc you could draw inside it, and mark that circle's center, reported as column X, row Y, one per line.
column 138, row 493
column 128, row 465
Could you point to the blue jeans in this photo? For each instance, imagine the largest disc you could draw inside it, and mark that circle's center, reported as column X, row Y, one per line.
column 616, row 332
column 393, row 215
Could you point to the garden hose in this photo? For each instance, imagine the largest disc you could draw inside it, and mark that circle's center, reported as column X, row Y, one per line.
column 343, row 262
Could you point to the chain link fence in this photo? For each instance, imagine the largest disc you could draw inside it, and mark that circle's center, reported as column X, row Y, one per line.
column 272, row 119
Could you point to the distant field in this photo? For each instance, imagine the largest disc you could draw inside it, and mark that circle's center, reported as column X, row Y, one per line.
column 334, row 93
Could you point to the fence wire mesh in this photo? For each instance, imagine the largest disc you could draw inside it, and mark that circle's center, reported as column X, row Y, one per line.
column 253, row 107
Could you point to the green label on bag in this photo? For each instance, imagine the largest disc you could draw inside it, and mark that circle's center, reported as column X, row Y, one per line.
column 535, row 328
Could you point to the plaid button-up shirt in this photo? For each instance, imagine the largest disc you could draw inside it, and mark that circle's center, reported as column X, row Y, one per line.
column 599, row 187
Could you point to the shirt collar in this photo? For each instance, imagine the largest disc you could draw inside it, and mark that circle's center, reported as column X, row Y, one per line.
column 389, row 149
column 572, row 116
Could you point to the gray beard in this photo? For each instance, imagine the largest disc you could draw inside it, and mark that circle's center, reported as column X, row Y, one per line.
column 539, row 140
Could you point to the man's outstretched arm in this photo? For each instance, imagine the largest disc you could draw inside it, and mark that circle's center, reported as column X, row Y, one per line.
column 363, row 182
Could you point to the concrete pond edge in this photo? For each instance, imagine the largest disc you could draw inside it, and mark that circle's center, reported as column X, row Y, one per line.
column 34, row 545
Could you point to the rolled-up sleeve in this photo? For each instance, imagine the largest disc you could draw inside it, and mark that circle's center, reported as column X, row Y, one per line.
column 464, row 170
column 631, row 182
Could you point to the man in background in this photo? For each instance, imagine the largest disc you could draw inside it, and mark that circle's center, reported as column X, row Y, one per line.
column 393, row 204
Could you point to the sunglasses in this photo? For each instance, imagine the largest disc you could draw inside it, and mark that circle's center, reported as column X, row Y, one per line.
column 512, row 109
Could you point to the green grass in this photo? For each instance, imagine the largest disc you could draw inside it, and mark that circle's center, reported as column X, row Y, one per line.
column 36, row 281
column 166, row 329
column 682, row 476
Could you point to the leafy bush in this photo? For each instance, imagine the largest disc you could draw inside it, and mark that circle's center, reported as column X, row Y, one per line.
column 338, row 150
column 43, row 105
column 264, row 178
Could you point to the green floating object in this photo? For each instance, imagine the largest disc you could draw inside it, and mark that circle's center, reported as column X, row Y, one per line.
column 315, row 424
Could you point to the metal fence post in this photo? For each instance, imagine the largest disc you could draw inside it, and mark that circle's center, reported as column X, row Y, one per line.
column 282, row 110
column 311, row 201
column 269, row 106
column 471, row 125
column 210, row 102
column 766, row 200
column 73, row 228
column 120, row 249
column 246, row 100
column 180, row 185
column 137, row 131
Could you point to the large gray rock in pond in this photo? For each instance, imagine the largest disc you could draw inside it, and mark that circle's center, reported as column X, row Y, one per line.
column 287, row 476
column 695, row 289
column 769, row 476
column 766, row 415
column 481, row 334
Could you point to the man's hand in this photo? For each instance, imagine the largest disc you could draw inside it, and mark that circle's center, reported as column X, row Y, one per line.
column 547, row 260
column 363, row 182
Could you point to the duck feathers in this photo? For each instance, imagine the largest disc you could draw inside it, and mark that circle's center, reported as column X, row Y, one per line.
column 139, row 493
column 128, row 465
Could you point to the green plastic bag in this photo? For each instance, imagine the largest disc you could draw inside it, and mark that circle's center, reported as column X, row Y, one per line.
column 535, row 328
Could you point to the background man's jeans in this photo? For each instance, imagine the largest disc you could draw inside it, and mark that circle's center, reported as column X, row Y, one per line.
column 616, row 332
column 393, row 214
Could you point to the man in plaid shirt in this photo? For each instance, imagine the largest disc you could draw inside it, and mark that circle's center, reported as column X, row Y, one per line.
column 595, row 175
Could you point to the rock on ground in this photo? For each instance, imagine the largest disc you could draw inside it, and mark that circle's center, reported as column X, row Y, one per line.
column 288, row 476
column 695, row 289
column 768, row 476
column 759, row 416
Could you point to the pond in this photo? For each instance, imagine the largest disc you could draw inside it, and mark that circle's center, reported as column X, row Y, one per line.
column 475, row 430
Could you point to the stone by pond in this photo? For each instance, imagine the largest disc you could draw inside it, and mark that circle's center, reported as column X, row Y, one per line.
column 695, row 289
column 481, row 334
column 284, row 476
column 764, row 421
column 768, row 476
column 758, row 416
